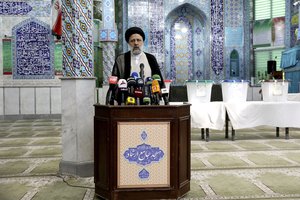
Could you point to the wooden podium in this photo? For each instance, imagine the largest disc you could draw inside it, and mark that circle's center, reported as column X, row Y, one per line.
column 142, row 152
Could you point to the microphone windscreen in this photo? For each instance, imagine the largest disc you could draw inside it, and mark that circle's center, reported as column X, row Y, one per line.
column 148, row 80
column 146, row 91
column 139, row 82
column 138, row 93
column 130, row 101
column 113, row 80
column 156, row 77
column 141, row 66
column 146, row 101
column 135, row 75
column 110, row 95
column 122, row 83
column 131, row 81
column 142, row 73
column 155, row 86
column 165, row 95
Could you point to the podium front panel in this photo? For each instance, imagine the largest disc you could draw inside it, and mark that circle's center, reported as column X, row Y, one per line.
column 143, row 154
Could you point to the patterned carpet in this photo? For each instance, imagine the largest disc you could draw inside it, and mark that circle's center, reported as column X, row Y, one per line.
column 257, row 165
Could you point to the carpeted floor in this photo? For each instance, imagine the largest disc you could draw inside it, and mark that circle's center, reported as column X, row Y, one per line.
column 257, row 165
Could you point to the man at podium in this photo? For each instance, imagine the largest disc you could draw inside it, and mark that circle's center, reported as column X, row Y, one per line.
column 135, row 60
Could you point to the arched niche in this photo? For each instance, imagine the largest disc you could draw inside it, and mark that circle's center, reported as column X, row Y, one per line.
column 186, row 45
column 234, row 64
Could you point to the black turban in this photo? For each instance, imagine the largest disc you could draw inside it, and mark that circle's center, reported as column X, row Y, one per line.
column 134, row 30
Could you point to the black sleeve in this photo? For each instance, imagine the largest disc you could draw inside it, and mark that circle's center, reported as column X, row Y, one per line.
column 115, row 70
column 155, row 69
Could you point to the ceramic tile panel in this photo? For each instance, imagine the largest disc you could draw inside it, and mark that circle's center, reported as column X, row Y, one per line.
column 108, row 59
column 248, row 58
column 203, row 5
column 199, row 51
column 108, row 37
column 108, row 32
column 139, row 15
column 181, row 50
column 108, row 13
column 196, row 51
column 198, row 13
column 233, row 13
column 156, row 31
column 77, row 40
column 217, row 38
column 30, row 8
column 14, row 8
column 33, row 50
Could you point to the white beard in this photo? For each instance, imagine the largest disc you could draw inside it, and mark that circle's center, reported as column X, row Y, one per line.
column 136, row 50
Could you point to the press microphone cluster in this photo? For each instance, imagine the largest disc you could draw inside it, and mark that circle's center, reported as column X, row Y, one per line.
column 137, row 90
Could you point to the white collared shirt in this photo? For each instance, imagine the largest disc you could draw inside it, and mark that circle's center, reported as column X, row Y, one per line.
column 136, row 60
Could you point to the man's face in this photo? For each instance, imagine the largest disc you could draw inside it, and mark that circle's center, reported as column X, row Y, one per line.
column 136, row 43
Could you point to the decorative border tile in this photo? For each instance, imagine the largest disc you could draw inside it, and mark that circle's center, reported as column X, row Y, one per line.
column 30, row 8
column 77, row 40
column 217, row 40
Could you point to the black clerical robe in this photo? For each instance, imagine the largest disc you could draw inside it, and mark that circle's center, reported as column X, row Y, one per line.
column 122, row 66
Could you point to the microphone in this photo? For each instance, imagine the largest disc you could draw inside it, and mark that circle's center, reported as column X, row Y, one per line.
column 156, row 91
column 148, row 81
column 165, row 95
column 158, row 78
column 147, row 91
column 139, row 83
column 164, row 92
column 130, row 101
column 131, row 84
column 110, row 95
column 122, row 86
column 138, row 92
column 134, row 75
column 146, row 101
column 142, row 74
